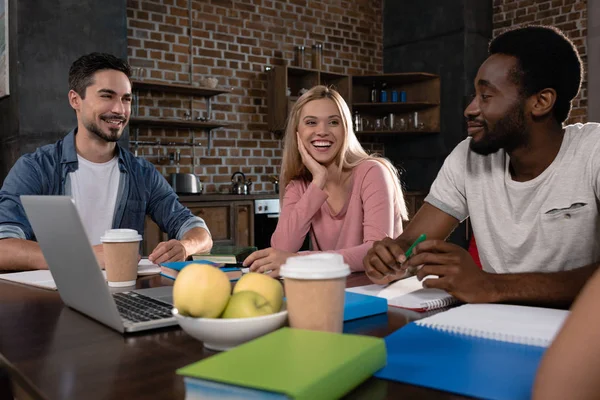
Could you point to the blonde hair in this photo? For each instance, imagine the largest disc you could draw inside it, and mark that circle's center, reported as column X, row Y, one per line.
column 350, row 155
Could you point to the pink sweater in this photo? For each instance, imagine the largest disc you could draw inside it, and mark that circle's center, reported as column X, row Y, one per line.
column 369, row 214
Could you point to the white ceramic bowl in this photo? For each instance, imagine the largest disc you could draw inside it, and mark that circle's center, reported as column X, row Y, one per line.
column 225, row 333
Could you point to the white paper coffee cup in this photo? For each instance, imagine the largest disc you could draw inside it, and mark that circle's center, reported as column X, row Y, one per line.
column 121, row 251
column 315, row 291
column 120, row 236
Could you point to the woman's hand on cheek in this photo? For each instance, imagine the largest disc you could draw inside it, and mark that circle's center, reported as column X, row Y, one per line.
column 318, row 171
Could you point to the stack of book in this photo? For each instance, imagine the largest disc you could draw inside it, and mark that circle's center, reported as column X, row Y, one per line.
column 226, row 254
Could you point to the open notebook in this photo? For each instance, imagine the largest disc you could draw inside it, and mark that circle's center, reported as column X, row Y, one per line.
column 489, row 351
column 408, row 293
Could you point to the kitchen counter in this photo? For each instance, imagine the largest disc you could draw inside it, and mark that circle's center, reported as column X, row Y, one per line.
column 225, row 197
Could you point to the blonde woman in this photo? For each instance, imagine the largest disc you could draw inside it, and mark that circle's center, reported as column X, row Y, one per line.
column 332, row 189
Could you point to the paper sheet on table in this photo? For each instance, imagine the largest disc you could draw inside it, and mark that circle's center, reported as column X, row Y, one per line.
column 43, row 278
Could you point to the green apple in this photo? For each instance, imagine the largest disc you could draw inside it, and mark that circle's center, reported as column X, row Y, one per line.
column 247, row 304
column 201, row 291
column 268, row 287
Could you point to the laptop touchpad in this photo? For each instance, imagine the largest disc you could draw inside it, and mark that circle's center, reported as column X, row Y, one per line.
column 163, row 293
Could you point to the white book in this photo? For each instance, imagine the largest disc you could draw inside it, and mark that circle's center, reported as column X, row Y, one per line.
column 408, row 293
column 534, row 326
column 43, row 278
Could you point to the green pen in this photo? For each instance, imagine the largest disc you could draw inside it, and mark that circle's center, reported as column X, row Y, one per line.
column 421, row 238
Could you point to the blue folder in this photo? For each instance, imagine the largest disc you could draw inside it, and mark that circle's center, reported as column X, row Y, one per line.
column 358, row 305
column 460, row 364
column 179, row 265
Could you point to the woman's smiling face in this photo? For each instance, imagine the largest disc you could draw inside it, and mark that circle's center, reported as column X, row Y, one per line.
column 321, row 130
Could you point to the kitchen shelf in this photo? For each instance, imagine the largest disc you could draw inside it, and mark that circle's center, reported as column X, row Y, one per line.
column 175, row 123
column 422, row 91
column 160, row 143
column 395, row 78
column 281, row 78
column 394, row 107
column 395, row 132
column 178, row 88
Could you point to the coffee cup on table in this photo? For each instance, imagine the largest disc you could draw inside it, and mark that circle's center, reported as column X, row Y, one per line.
column 315, row 290
column 121, row 250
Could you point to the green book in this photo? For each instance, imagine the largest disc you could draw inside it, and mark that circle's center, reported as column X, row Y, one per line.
column 226, row 254
column 288, row 362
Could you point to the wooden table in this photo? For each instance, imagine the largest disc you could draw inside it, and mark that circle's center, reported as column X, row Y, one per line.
column 65, row 355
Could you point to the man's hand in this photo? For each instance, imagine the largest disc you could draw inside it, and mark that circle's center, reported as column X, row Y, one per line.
column 267, row 259
column 99, row 252
column 383, row 260
column 173, row 250
column 456, row 271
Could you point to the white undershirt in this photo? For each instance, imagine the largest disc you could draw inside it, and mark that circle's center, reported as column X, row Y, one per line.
column 94, row 188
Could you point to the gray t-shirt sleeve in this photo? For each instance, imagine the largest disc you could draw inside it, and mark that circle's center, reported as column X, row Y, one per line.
column 448, row 190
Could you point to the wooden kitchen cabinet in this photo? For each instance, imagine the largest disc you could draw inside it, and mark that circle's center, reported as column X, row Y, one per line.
column 229, row 222
column 422, row 98
column 281, row 78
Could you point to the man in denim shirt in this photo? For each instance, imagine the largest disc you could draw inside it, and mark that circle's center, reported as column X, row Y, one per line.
column 111, row 188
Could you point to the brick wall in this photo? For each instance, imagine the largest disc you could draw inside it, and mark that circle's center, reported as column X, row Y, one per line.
column 233, row 41
column 568, row 15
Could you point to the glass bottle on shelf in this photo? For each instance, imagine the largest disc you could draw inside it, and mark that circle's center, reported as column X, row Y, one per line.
column 317, row 56
column 383, row 93
column 374, row 93
column 300, row 56
column 357, row 122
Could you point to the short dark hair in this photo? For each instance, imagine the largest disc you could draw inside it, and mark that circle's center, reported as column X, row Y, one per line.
column 83, row 69
column 546, row 59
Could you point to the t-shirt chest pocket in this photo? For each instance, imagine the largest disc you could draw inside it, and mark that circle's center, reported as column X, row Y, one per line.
column 568, row 228
column 577, row 209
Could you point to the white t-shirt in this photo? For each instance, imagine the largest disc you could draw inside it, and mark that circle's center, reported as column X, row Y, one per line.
column 94, row 188
column 548, row 224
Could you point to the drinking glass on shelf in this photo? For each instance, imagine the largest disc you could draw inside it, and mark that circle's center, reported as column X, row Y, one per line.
column 365, row 124
column 415, row 124
column 379, row 124
column 401, row 124
column 389, row 121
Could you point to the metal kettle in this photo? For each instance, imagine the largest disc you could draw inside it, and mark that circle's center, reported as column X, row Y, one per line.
column 240, row 185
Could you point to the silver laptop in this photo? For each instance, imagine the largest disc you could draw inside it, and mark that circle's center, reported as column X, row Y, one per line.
column 78, row 277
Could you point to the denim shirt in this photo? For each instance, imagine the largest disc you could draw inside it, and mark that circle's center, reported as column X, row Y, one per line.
column 142, row 191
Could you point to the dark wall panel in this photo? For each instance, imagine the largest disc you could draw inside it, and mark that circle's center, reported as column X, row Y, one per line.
column 49, row 37
column 448, row 38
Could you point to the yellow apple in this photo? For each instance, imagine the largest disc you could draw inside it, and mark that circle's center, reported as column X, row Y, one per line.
column 247, row 304
column 201, row 291
column 268, row 287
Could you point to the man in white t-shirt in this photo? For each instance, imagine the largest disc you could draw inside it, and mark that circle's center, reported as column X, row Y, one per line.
column 111, row 187
column 530, row 186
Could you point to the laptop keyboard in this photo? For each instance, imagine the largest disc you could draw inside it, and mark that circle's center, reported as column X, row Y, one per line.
column 135, row 307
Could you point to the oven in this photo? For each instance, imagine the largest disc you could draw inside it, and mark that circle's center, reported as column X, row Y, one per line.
column 266, row 216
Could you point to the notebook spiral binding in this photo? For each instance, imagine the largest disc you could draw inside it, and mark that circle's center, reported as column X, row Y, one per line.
column 439, row 303
column 503, row 337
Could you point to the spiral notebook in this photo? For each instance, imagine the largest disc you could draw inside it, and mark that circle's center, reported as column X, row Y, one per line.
column 532, row 326
column 408, row 293
column 489, row 351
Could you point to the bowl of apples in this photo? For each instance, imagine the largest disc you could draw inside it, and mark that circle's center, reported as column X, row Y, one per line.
column 208, row 310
